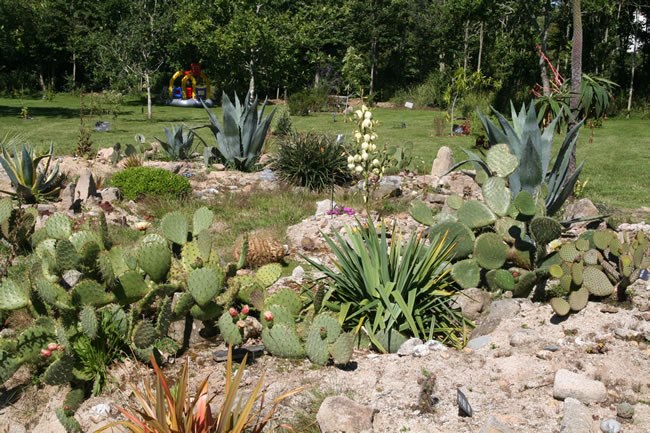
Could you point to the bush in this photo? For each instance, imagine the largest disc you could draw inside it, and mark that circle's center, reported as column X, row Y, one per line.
column 283, row 126
column 306, row 101
column 429, row 93
column 139, row 181
column 312, row 160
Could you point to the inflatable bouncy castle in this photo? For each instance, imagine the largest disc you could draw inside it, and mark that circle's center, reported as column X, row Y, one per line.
column 194, row 88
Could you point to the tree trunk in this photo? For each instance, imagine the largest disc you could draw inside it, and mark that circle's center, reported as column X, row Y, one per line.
column 480, row 47
column 251, row 83
column 41, row 81
column 74, row 69
column 546, row 85
column 373, row 61
column 466, row 46
column 576, row 74
column 147, row 83
column 631, row 91
column 317, row 78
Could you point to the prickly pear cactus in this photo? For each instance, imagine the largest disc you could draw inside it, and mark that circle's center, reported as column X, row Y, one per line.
column 283, row 341
column 204, row 284
column 175, row 228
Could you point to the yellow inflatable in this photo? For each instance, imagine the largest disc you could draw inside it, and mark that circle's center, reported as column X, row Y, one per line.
column 194, row 88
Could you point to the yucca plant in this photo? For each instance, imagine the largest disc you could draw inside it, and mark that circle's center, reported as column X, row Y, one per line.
column 165, row 411
column 533, row 147
column 180, row 142
column 390, row 286
column 240, row 137
column 31, row 182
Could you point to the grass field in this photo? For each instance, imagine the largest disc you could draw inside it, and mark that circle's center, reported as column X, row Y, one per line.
column 616, row 161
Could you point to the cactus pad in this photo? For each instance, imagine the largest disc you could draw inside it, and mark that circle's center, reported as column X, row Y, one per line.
column 183, row 305
column 560, row 306
column 144, row 334
column 569, row 252
column 497, row 195
column 66, row 255
column 490, row 251
column 165, row 317
column 155, row 259
column 525, row 203
column 341, row 349
column 475, row 214
column 421, row 213
column 591, row 257
column 501, row 161
column 458, row 234
column 174, row 227
column 500, row 279
column 204, row 244
column 316, row 347
column 525, row 285
column 60, row 371
column 268, row 274
column 229, row 330
column 132, row 287
column 58, row 226
column 204, row 284
column 90, row 292
column 88, row 321
column 545, row 230
column 202, row 220
column 12, row 296
column 602, row 238
column 577, row 270
column 578, row 299
column 466, row 273
column 556, row 271
column 455, row 201
column 597, row 282
column 282, row 341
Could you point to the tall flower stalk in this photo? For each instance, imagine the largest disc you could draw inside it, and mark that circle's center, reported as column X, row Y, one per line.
column 367, row 162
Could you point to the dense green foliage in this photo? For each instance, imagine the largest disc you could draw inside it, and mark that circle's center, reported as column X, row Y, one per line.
column 149, row 181
column 292, row 45
column 314, row 161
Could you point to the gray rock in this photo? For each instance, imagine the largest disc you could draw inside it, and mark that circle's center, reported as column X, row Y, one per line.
column 298, row 273
column 219, row 167
column 436, row 346
column 72, row 277
column 267, row 175
column 503, row 308
column 389, row 186
column 576, row 418
column 324, row 206
column 12, row 427
column 642, row 417
column 625, row 410
column 85, row 186
column 111, row 194
column 568, row 384
column 473, row 302
column 340, row 414
column 610, row 426
column 493, row 425
column 443, row 162
column 105, row 154
column 67, row 196
column 408, row 347
column 583, row 208
column 421, row 351
column 478, row 342
column 523, row 337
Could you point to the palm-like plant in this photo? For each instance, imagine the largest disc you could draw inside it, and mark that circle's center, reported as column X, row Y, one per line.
column 164, row 411
column 31, row 182
column 390, row 287
column 240, row 137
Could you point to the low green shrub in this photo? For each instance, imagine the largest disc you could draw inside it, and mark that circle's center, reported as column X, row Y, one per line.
column 311, row 160
column 283, row 125
column 141, row 181
column 306, row 101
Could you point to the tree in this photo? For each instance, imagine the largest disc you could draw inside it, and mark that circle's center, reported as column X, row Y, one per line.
column 576, row 74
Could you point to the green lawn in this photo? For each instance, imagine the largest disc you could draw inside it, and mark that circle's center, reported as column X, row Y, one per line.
column 615, row 162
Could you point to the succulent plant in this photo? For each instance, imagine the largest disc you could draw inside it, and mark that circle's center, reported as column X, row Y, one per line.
column 180, row 142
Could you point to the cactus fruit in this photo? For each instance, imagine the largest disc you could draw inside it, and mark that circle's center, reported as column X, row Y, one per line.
column 458, row 234
column 466, row 273
column 560, row 306
column 230, row 331
column 263, row 248
column 501, row 161
column 497, row 195
column 202, row 220
column 422, row 213
column 88, row 321
column 204, row 284
column 12, row 296
column 578, row 299
column 475, row 214
column 278, row 314
column 286, row 298
column 58, row 226
column 144, row 334
column 282, row 341
column 268, row 274
column 155, row 259
column 174, row 227
column 545, row 230
column 596, row 281
column 490, row 251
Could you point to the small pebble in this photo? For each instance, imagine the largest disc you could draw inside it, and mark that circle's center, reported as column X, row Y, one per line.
column 610, row 426
column 625, row 410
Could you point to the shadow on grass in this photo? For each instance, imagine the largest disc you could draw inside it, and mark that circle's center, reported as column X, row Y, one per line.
column 68, row 113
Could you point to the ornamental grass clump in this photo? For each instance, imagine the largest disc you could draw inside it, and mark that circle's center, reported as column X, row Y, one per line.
column 367, row 161
column 136, row 182
column 393, row 289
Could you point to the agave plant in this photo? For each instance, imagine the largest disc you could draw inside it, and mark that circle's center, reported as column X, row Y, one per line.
column 31, row 182
column 533, row 148
column 179, row 144
column 165, row 411
column 240, row 138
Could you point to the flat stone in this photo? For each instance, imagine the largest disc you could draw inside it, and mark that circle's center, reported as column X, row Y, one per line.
column 493, row 425
column 408, row 347
column 421, row 351
column 583, row 208
column 642, row 417
column 340, row 414
column 478, row 342
column 110, row 194
column 523, row 337
column 568, row 384
column 85, row 186
column 324, row 206
column 72, row 277
column 610, row 426
column 499, row 310
column 576, row 418
column 389, row 186
column 472, row 302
